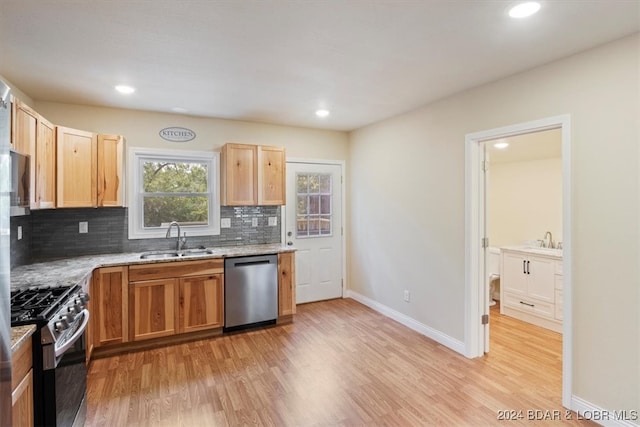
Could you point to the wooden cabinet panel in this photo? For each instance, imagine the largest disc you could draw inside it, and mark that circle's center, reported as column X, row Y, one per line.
column 110, row 173
column 271, row 176
column 153, row 308
column 238, row 183
column 252, row 175
column 286, row 284
column 110, row 306
column 163, row 270
column 201, row 303
column 45, row 170
column 22, row 402
column 76, row 168
column 25, row 128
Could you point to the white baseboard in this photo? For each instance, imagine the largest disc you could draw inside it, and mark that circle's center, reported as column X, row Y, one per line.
column 620, row 418
column 437, row 336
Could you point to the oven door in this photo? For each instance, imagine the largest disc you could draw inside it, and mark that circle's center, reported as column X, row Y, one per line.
column 65, row 380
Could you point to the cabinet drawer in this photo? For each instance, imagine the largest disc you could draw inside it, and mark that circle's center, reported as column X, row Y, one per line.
column 558, row 305
column 163, row 270
column 21, row 363
column 558, row 281
column 529, row 305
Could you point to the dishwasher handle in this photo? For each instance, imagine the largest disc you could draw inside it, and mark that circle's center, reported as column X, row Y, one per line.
column 250, row 263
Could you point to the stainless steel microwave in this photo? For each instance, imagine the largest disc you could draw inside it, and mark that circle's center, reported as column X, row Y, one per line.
column 20, row 181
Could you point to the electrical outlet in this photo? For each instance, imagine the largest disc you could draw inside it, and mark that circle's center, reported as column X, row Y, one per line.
column 19, row 232
column 273, row 221
column 406, row 295
column 83, row 227
column 225, row 223
column 254, row 222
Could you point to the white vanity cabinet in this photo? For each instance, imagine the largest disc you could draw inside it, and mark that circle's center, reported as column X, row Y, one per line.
column 531, row 287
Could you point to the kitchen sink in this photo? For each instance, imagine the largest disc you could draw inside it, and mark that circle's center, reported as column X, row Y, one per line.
column 174, row 254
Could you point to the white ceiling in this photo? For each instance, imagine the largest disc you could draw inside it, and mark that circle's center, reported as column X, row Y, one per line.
column 277, row 61
column 531, row 146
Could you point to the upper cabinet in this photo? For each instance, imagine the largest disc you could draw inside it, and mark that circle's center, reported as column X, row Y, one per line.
column 77, row 160
column 252, row 175
column 89, row 171
column 24, row 127
column 45, row 171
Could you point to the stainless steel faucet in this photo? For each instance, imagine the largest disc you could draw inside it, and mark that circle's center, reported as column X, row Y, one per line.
column 179, row 241
column 550, row 244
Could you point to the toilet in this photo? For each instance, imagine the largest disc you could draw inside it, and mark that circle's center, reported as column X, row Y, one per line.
column 493, row 273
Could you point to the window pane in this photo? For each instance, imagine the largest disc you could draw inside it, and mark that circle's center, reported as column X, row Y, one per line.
column 314, row 226
column 174, row 177
column 302, row 228
column 325, row 183
column 314, row 184
column 325, row 225
column 325, row 204
column 301, row 184
column 301, row 208
column 187, row 210
column 314, row 205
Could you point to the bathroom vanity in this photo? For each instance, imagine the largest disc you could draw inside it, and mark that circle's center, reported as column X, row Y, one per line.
column 531, row 285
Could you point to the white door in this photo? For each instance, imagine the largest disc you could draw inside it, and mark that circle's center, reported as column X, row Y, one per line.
column 313, row 225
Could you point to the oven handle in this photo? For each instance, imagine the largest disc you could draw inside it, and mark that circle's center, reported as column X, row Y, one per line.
column 71, row 341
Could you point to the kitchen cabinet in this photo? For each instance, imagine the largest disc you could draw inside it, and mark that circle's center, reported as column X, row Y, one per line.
column 528, row 288
column 110, row 170
column 252, row 175
column 22, row 385
column 77, row 162
column 110, row 306
column 176, row 297
column 89, row 169
column 286, row 284
column 45, row 171
column 24, row 127
column 153, row 308
column 201, row 304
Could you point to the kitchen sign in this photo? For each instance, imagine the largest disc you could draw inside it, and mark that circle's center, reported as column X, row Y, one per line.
column 177, row 134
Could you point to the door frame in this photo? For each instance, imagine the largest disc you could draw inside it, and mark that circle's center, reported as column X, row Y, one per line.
column 475, row 294
column 343, row 215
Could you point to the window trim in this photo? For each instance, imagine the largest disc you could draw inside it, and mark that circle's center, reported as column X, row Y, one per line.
column 135, row 211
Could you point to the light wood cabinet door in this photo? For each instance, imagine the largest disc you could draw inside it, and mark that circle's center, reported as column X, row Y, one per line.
column 110, row 306
column 45, row 170
column 286, row 284
column 22, row 402
column 271, row 176
column 110, row 173
column 201, row 303
column 25, row 128
column 238, row 177
column 152, row 308
column 76, row 168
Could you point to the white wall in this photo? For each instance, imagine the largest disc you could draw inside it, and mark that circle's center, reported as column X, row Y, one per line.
column 525, row 201
column 408, row 213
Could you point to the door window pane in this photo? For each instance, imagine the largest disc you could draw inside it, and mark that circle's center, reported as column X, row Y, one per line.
column 314, row 200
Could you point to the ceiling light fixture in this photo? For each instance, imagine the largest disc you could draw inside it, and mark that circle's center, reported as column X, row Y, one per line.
column 322, row 113
column 501, row 145
column 523, row 10
column 124, row 89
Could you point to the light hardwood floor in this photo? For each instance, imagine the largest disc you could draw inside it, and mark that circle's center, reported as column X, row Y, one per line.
column 339, row 363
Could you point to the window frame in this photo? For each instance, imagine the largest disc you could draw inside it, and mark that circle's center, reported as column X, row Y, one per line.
column 137, row 156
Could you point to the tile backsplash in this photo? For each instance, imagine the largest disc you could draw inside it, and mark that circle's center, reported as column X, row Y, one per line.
column 53, row 233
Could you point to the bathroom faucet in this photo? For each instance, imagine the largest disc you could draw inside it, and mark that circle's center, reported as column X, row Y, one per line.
column 179, row 242
column 550, row 244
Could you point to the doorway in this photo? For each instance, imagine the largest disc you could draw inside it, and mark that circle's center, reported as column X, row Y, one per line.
column 313, row 224
column 476, row 293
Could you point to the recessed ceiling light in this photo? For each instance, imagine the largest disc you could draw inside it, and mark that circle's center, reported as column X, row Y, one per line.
column 322, row 113
column 523, row 10
column 179, row 110
column 125, row 89
column 501, row 145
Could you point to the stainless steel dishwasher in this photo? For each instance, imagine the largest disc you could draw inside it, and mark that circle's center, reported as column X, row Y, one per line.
column 250, row 291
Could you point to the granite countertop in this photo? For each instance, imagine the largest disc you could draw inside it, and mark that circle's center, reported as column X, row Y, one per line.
column 71, row 271
column 554, row 253
column 19, row 334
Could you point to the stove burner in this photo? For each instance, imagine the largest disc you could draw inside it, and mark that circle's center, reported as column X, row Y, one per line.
column 36, row 305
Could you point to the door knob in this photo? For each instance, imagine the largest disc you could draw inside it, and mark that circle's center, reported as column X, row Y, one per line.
column 289, row 243
column 289, row 233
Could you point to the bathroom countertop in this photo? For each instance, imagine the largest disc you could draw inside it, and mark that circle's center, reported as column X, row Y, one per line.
column 71, row 271
column 553, row 253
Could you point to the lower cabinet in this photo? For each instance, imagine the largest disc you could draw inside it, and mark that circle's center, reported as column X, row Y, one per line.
column 153, row 308
column 201, row 303
column 22, row 386
column 110, row 306
column 286, row 284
